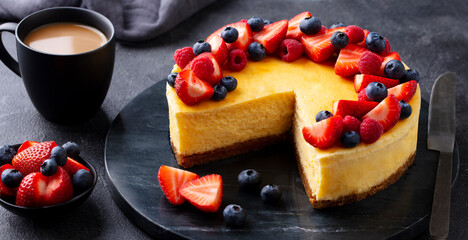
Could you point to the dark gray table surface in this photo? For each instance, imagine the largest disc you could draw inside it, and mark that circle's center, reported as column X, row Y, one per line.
column 429, row 35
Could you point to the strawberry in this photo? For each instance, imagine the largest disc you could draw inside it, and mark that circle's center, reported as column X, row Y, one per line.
column 369, row 63
column 218, row 48
column 362, row 80
column 290, row 50
column 31, row 190
column 293, row 26
column 6, row 192
column 203, row 68
column 355, row 34
column 362, row 96
column 190, row 89
column 204, row 193
column 347, row 63
column 72, row 166
column 272, row 35
column 386, row 113
column 183, row 56
column 386, row 58
column 363, row 42
column 59, row 188
column 325, row 133
column 404, row 91
column 351, row 123
column 318, row 47
column 171, row 179
column 353, row 108
column 244, row 39
column 370, row 130
column 26, row 144
column 31, row 159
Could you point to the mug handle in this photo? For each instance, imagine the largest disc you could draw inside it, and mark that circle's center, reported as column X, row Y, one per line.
column 5, row 57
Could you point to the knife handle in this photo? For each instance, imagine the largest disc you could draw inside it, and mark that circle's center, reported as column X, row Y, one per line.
column 440, row 216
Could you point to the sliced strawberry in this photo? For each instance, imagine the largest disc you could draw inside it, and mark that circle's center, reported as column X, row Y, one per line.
column 190, row 89
column 216, row 75
column 26, row 144
column 390, row 56
column 318, row 47
column 72, row 166
column 6, row 192
column 272, row 35
column 386, row 113
column 218, row 48
column 59, row 188
column 356, row 109
column 31, row 190
column 325, row 133
column 244, row 39
column 363, row 42
column 171, row 179
column 362, row 80
column 404, row 91
column 204, row 193
column 31, row 159
column 293, row 26
column 347, row 63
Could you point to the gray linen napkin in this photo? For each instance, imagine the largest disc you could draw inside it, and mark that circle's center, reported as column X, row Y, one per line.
column 134, row 20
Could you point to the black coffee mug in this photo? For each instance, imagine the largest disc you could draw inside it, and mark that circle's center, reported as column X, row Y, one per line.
column 65, row 89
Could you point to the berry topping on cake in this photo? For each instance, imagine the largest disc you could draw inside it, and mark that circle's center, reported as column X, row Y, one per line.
column 293, row 26
column 204, row 193
column 171, row 179
column 290, row 50
column 394, row 69
column 272, row 35
column 325, row 133
column 370, row 130
column 234, row 215
column 363, row 42
column 270, row 193
column 200, row 47
column 49, row 167
column 362, row 80
column 404, row 91
column 171, row 79
column 256, row 51
column 375, row 42
column 387, row 49
column 203, row 68
column 369, row 63
column 339, row 39
column 310, row 25
column 362, row 96
column 353, row 108
column 23, row 146
column 256, row 24
column 82, row 180
column 324, row 114
column 337, row 25
column 376, row 91
column 355, row 34
column 245, row 35
column 386, row 113
column 406, row 109
column 350, row 139
column 7, row 153
column 347, row 63
column 183, row 56
column 7, row 192
column 72, row 166
column 229, row 34
column 386, row 59
column 267, row 21
column 190, row 89
column 411, row 74
column 229, row 82
column 249, row 179
column 237, row 60
column 31, row 159
column 318, row 47
column 218, row 48
column 220, row 93
column 351, row 123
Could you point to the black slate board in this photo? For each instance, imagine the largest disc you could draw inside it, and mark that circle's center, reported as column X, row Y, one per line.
column 138, row 144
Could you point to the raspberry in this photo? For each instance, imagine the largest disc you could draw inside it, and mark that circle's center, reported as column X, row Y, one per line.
column 370, row 130
column 351, row 123
column 183, row 56
column 203, row 68
column 290, row 50
column 237, row 59
column 355, row 33
column 369, row 63
column 362, row 96
column 387, row 49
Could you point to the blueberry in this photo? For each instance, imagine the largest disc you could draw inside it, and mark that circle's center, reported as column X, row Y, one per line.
column 11, row 178
column 310, row 25
column 256, row 24
column 234, row 215
column 59, row 155
column 337, row 24
column 394, row 69
column 375, row 42
column 82, row 180
column 230, row 34
column 376, row 91
column 266, row 22
column 339, row 39
column 410, row 75
column 406, row 110
column 219, row 93
column 323, row 115
column 171, row 79
column 256, row 51
column 201, row 47
column 49, row 167
column 249, row 179
column 73, row 149
column 230, row 83
column 350, row 139
column 7, row 153
column 270, row 193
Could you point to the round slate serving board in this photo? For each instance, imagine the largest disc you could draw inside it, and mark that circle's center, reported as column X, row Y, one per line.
column 138, row 144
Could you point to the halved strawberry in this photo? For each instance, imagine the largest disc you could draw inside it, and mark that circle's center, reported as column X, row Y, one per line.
column 26, row 144
column 218, row 48
column 204, row 193
column 272, row 35
column 6, row 192
column 347, row 63
column 363, row 42
column 325, row 133
column 215, row 77
column 318, row 47
column 356, row 109
column 190, row 89
column 362, row 80
column 31, row 159
column 244, row 39
column 59, row 188
column 390, row 56
column 32, row 190
column 171, row 179
column 293, row 26
column 386, row 113
column 72, row 166
column 404, row 91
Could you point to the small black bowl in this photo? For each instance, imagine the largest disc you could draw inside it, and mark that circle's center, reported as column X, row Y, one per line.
column 54, row 209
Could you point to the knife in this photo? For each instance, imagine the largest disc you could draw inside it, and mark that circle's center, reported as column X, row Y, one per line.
column 441, row 137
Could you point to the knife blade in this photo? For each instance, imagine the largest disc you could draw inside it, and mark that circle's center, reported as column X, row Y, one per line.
column 441, row 137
